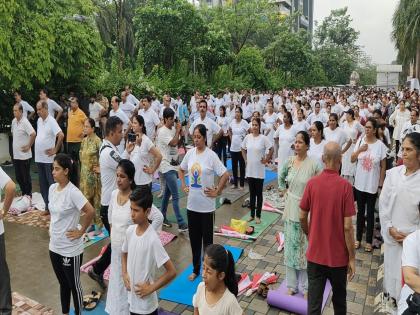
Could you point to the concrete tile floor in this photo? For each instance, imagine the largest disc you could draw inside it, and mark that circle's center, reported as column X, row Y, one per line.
column 32, row 274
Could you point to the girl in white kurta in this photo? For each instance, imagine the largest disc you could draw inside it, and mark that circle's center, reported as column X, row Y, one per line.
column 399, row 212
column 119, row 215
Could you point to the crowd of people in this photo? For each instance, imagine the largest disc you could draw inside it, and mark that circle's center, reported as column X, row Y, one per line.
column 333, row 148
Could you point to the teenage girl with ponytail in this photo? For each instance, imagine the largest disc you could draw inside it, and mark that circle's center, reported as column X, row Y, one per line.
column 216, row 295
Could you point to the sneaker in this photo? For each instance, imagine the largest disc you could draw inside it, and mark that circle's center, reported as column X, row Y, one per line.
column 167, row 223
column 182, row 228
column 98, row 278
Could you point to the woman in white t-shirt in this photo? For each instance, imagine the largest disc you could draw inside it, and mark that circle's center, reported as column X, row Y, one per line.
column 301, row 124
column 223, row 121
column 316, row 147
column 201, row 163
column 66, row 246
column 119, row 216
column 336, row 134
column 216, row 294
column 286, row 135
column 238, row 129
column 370, row 154
column 144, row 154
column 257, row 150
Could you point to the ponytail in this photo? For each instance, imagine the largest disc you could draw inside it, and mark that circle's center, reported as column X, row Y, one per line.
column 221, row 260
column 66, row 162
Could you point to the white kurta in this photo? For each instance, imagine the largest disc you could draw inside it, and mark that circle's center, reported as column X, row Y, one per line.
column 398, row 208
column 286, row 140
column 353, row 132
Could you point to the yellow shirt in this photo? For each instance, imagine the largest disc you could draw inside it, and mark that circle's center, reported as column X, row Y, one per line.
column 75, row 125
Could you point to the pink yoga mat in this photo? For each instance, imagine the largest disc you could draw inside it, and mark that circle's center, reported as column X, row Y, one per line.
column 293, row 303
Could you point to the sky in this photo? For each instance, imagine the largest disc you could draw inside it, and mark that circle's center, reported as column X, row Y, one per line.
column 372, row 18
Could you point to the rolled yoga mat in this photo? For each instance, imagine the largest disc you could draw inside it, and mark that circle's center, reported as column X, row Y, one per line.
column 293, row 303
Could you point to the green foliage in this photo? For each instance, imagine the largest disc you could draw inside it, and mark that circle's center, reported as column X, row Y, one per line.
column 250, row 65
column 367, row 75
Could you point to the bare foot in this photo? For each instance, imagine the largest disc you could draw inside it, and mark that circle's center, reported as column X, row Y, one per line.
column 241, row 188
column 45, row 213
column 192, row 276
column 290, row 292
column 257, row 220
column 250, row 219
column 233, row 187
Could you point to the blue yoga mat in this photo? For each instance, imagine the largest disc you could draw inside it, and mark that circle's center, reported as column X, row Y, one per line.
column 100, row 310
column 97, row 238
column 181, row 290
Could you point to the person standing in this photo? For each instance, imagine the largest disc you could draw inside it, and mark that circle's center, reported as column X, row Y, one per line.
column 316, row 147
column 117, row 111
column 257, row 150
column 328, row 198
column 23, row 139
column 151, row 119
column 75, row 126
column 214, row 131
column 399, row 211
column 47, row 144
column 66, row 239
column 53, row 108
column 28, row 110
column 167, row 143
column 296, row 172
column 397, row 120
column 90, row 181
column 201, row 164
column 96, row 111
column 286, row 135
column 8, row 187
column 130, row 96
column 126, row 106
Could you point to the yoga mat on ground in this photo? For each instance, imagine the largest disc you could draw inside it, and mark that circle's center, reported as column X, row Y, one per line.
column 181, row 290
column 293, row 303
column 96, row 238
column 267, row 218
column 100, row 310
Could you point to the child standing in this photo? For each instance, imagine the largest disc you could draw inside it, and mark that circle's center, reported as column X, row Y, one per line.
column 142, row 255
column 216, row 295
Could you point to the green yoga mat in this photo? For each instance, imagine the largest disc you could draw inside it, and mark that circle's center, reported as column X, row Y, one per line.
column 267, row 218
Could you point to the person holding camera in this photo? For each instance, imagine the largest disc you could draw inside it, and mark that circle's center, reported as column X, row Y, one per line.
column 167, row 140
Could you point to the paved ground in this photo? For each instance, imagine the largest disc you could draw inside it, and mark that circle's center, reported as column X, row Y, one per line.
column 32, row 275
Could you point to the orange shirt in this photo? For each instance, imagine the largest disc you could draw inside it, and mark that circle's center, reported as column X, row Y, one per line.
column 75, row 123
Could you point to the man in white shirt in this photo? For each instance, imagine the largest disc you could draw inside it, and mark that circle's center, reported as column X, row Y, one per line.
column 28, row 110
column 96, row 111
column 130, row 97
column 53, row 107
column 47, row 143
column 117, row 111
column 126, row 106
column 214, row 131
column 8, row 187
column 23, row 139
column 194, row 101
column 151, row 119
column 166, row 104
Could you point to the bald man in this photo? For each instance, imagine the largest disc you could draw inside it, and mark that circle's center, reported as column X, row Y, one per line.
column 329, row 199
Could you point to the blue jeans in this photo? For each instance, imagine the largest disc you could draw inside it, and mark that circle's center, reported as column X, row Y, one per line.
column 45, row 180
column 171, row 188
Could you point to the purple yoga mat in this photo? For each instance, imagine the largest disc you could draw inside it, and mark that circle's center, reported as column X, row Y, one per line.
column 293, row 303
column 161, row 311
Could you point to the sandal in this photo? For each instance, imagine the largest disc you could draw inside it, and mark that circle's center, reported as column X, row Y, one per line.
column 356, row 245
column 368, row 248
column 263, row 289
column 91, row 301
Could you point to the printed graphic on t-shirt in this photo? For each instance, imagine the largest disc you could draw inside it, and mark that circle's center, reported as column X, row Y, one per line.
column 367, row 162
column 196, row 175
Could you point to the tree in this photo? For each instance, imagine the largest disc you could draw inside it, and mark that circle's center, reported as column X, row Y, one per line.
column 168, row 31
column 406, row 32
column 48, row 41
column 250, row 65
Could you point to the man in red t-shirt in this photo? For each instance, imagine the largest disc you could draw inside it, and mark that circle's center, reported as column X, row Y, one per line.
column 329, row 199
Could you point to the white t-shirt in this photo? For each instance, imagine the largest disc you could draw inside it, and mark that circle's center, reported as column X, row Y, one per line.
column 316, row 151
column 65, row 207
column 145, row 256
column 141, row 157
column 128, row 108
column 313, row 117
column 4, row 179
column 132, row 99
column 163, row 108
column 94, row 111
column 201, row 168
column 369, row 166
column 169, row 153
column 337, row 135
column 121, row 115
column 256, row 148
column 270, row 121
column 109, row 157
column 239, row 131
column 26, row 108
column 151, row 121
column 47, row 132
column 211, row 126
column 302, row 125
column 227, row 305
column 223, row 122
column 53, row 107
column 21, row 131
column 410, row 258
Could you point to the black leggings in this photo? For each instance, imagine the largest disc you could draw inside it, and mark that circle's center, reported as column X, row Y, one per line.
column 365, row 203
column 102, row 264
column 221, row 149
column 67, row 271
column 237, row 158
column 255, row 195
column 200, row 230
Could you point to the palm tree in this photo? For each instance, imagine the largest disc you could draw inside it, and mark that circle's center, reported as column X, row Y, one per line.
column 406, row 33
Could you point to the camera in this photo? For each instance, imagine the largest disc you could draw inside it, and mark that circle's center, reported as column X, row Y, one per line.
column 413, row 302
column 131, row 137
